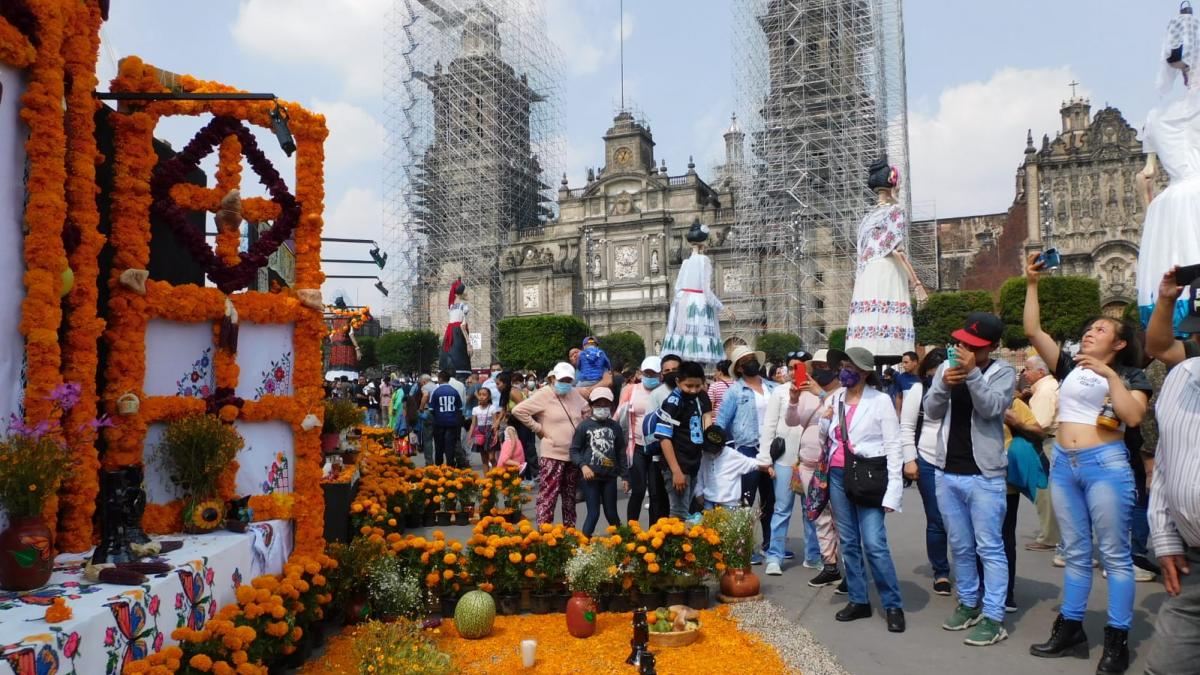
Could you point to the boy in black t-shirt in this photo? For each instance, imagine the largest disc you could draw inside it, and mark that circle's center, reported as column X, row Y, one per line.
column 683, row 417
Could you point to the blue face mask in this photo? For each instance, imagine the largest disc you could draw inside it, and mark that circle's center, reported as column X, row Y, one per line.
column 650, row 382
column 563, row 388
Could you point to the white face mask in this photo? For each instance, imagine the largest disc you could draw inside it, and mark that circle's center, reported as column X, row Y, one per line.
column 601, row 413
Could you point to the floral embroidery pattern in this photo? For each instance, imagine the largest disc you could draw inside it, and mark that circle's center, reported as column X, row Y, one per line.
column 28, row 659
column 44, row 596
column 276, row 380
column 277, row 476
column 236, row 579
column 133, row 635
column 197, row 382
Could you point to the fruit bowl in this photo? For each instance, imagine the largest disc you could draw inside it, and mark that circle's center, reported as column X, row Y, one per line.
column 682, row 622
column 679, row 638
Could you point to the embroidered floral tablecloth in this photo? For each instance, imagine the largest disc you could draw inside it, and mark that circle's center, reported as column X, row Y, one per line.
column 113, row 625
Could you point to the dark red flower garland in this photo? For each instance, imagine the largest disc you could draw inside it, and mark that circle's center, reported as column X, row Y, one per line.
column 228, row 278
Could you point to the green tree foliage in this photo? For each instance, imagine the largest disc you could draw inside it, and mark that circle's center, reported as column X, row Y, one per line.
column 411, row 351
column 837, row 338
column 538, row 342
column 624, row 348
column 777, row 345
column 367, row 346
column 1066, row 302
column 944, row 313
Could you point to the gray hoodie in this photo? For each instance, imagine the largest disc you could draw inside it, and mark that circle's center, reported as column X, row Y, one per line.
column 991, row 395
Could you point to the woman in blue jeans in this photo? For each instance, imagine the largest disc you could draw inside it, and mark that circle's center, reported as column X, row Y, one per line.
column 1092, row 484
column 919, row 436
column 869, row 417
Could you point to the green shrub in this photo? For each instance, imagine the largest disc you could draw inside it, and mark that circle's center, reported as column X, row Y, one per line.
column 624, row 348
column 538, row 342
column 1066, row 303
column 837, row 338
column 366, row 347
column 411, row 351
column 944, row 313
column 777, row 345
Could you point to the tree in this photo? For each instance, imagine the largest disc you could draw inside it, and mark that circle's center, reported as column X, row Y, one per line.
column 411, row 351
column 538, row 342
column 837, row 339
column 777, row 345
column 1067, row 303
column 944, row 313
column 624, row 348
column 367, row 347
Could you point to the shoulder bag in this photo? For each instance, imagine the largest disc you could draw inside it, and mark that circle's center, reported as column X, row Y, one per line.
column 866, row 477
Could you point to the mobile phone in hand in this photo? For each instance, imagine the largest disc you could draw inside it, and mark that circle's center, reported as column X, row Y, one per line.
column 1186, row 274
column 799, row 374
column 1050, row 259
column 952, row 356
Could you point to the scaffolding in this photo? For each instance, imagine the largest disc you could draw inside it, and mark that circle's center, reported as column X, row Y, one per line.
column 821, row 88
column 472, row 108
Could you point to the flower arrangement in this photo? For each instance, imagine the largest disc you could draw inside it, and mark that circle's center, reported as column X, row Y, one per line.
column 341, row 414
column 669, row 553
column 502, row 491
column 591, row 568
column 349, row 578
column 384, row 436
column 398, row 648
column 195, row 451
column 736, row 528
column 395, row 590
column 547, row 550
column 495, row 556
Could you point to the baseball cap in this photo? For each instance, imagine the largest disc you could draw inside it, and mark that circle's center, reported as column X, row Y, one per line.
column 601, row 394
column 714, row 438
column 563, row 371
column 586, row 340
column 651, row 363
column 1191, row 322
column 981, row 329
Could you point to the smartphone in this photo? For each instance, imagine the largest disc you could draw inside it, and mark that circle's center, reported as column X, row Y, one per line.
column 1050, row 259
column 952, row 356
column 799, row 374
column 1186, row 274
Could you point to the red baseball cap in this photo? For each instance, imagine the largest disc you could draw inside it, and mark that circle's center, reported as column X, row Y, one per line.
column 981, row 330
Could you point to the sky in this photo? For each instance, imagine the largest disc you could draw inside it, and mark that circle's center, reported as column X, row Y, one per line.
column 978, row 76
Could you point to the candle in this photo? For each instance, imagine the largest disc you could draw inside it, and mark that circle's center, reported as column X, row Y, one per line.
column 528, row 650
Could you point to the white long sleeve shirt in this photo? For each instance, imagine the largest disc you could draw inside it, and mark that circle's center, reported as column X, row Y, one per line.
column 720, row 478
column 930, row 429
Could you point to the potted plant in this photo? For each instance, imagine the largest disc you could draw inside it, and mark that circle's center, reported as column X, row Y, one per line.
column 340, row 415
column 349, row 582
column 394, row 591
column 496, row 561
column 194, row 451
column 735, row 527
column 587, row 572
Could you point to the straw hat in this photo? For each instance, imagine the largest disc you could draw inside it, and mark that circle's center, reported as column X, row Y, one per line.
column 742, row 351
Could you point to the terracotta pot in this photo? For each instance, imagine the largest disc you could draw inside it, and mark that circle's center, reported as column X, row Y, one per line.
column 329, row 442
column 581, row 615
column 444, row 518
column 697, row 597
column 740, row 583
column 25, row 560
column 508, row 605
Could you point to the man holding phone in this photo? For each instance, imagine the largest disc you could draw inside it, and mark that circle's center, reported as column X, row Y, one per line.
column 1161, row 342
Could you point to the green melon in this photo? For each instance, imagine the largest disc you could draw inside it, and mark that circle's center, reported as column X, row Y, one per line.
column 475, row 614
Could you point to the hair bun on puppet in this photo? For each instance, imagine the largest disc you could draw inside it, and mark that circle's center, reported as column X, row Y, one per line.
column 697, row 233
column 882, row 175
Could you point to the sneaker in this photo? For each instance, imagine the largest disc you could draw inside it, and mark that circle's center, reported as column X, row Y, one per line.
column 828, row 575
column 789, row 555
column 756, row 559
column 942, row 586
column 841, row 589
column 1039, row 547
column 1141, row 575
column 773, row 569
column 1058, row 561
column 986, row 632
column 814, row 564
column 963, row 618
column 1010, row 606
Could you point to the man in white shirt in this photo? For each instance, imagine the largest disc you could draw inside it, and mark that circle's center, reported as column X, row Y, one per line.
column 1043, row 401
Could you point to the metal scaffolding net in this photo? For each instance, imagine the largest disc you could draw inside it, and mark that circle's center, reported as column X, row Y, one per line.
column 472, row 106
column 821, row 88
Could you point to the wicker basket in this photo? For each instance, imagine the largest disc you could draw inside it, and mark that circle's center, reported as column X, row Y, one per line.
column 680, row 638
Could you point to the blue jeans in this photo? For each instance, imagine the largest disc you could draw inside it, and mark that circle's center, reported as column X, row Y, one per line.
column 862, row 528
column 372, row 417
column 1093, row 495
column 599, row 493
column 1141, row 525
column 935, row 532
column 781, row 518
column 681, row 502
column 973, row 509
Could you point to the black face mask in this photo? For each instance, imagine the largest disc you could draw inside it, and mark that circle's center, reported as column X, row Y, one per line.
column 671, row 380
column 751, row 368
column 823, row 376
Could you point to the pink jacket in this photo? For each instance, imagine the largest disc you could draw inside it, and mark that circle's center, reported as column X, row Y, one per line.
column 553, row 418
column 511, row 449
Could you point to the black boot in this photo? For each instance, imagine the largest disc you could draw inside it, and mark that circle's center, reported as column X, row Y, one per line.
column 1066, row 639
column 1115, row 659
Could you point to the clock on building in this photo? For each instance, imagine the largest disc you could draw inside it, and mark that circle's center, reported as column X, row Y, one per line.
column 623, row 157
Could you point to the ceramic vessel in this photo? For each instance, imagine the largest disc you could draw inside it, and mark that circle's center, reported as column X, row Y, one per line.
column 25, row 560
column 581, row 615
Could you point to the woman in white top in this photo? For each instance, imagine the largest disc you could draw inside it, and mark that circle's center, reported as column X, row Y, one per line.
column 869, row 419
column 1091, row 481
column 919, row 436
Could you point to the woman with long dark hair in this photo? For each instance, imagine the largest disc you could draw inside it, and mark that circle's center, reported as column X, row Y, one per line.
column 1091, row 481
column 919, row 436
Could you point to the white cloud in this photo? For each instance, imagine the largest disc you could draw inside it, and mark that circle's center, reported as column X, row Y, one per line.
column 585, row 49
column 354, row 134
column 358, row 214
column 345, row 37
column 964, row 154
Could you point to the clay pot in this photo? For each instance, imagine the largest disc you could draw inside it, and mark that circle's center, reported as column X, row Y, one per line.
column 581, row 615
column 25, row 560
column 508, row 605
column 697, row 597
column 739, row 583
column 329, row 442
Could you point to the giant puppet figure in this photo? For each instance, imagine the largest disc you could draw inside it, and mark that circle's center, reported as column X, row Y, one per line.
column 456, row 353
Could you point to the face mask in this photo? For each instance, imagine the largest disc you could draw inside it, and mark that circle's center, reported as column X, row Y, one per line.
column 563, row 388
column 601, row 413
column 751, row 368
column 531, row 384
column 495, row 374
column 823, row 376
column 671, row 380
column 650, row 382
column 849, row 377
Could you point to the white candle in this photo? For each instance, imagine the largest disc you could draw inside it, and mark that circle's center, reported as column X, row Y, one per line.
column 528, row 650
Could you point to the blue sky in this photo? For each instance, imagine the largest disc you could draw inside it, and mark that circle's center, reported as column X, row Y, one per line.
column 979, row 75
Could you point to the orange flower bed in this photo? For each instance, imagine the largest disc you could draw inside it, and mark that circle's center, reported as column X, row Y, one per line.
column 722, row 648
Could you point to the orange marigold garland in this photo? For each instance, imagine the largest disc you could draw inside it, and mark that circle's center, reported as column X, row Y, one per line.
column 15, row 49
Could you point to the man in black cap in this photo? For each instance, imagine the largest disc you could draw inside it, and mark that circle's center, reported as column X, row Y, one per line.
column 969, row 394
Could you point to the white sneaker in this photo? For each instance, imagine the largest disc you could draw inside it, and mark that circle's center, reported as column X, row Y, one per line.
column 1142, row 575
column 773, row 569
column 1058, row 561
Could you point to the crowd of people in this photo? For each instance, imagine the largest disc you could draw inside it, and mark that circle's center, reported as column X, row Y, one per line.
column 973, row 431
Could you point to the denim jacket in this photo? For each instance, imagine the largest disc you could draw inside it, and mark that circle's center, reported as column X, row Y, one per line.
column 738, row 415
